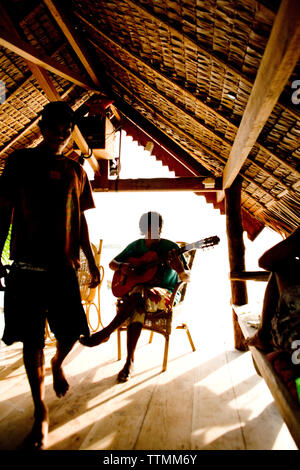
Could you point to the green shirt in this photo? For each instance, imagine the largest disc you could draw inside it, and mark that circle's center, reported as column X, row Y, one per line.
column 168, row 278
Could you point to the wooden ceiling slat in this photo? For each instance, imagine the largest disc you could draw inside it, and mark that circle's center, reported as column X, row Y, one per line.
column 278, row 62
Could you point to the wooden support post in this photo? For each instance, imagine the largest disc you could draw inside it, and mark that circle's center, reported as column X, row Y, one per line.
column 236, row 251
column 101, row 179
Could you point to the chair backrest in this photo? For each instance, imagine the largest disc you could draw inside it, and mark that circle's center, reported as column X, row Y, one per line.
column 189, row 256
column 87, row 293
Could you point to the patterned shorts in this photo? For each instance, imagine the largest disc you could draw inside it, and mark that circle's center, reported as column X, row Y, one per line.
column 155, row 299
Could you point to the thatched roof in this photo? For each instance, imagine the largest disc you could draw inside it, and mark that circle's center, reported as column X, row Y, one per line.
column 204, row 78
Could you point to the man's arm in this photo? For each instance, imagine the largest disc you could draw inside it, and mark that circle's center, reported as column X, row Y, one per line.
column 8, row 185
column 87, row 250
column 175, row 262
column 5, row 220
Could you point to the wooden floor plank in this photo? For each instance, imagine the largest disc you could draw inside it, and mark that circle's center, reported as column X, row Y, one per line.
column 168, row 421
column 208, row 399
column 216, row 423
column 249, row 388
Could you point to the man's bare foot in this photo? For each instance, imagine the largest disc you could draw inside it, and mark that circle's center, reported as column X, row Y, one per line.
column 259, row 342
column 37, row 438
column 125, row 373
column 95, row 339
column 60, row 383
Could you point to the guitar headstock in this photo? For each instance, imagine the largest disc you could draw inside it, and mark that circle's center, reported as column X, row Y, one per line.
column 207, row 242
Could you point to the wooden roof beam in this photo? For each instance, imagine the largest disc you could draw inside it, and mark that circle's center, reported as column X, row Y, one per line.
column 72, row 37
column 161, row 95
column 278, row 62
column 18, row 46
column 45, row 81
column 193, row 183
column 63, row 21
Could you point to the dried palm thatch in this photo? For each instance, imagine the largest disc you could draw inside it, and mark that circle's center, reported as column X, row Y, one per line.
column 185, row 66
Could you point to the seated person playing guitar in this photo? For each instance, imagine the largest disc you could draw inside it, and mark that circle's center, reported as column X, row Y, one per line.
column 146, row 272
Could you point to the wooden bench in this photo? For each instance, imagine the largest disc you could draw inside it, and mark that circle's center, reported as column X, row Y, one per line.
column 287, row 406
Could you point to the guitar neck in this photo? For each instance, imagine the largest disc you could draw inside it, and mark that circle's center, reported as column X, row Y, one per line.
column 188, row 247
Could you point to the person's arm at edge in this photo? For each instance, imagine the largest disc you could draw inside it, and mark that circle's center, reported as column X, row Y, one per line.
column 88, row 252
column 125, row 268
column 5, row 220
column 283, row 250
column 175, row 262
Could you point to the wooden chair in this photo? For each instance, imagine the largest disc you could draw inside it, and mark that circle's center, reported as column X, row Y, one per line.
column 164, row 321
column 90, row 296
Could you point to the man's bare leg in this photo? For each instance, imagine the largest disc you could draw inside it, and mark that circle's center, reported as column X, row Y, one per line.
column 60, row 383
column 35, row 369
column 133, row 334
column 123, row 313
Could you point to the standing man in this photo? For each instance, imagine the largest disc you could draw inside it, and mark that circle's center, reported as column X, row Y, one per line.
column 44, row 195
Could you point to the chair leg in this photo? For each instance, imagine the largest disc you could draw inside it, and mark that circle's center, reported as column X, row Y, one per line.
column 189, row 337
column 119, row 343
column 185, row 327
column 166, row 352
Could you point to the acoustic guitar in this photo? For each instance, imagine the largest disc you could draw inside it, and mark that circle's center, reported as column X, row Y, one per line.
column 145, row 267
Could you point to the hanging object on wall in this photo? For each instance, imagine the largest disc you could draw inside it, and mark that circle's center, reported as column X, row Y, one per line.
column 93, row 130
column 97, row 129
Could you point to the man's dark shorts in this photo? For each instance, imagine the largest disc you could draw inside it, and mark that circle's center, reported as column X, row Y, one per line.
column 33, row 296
